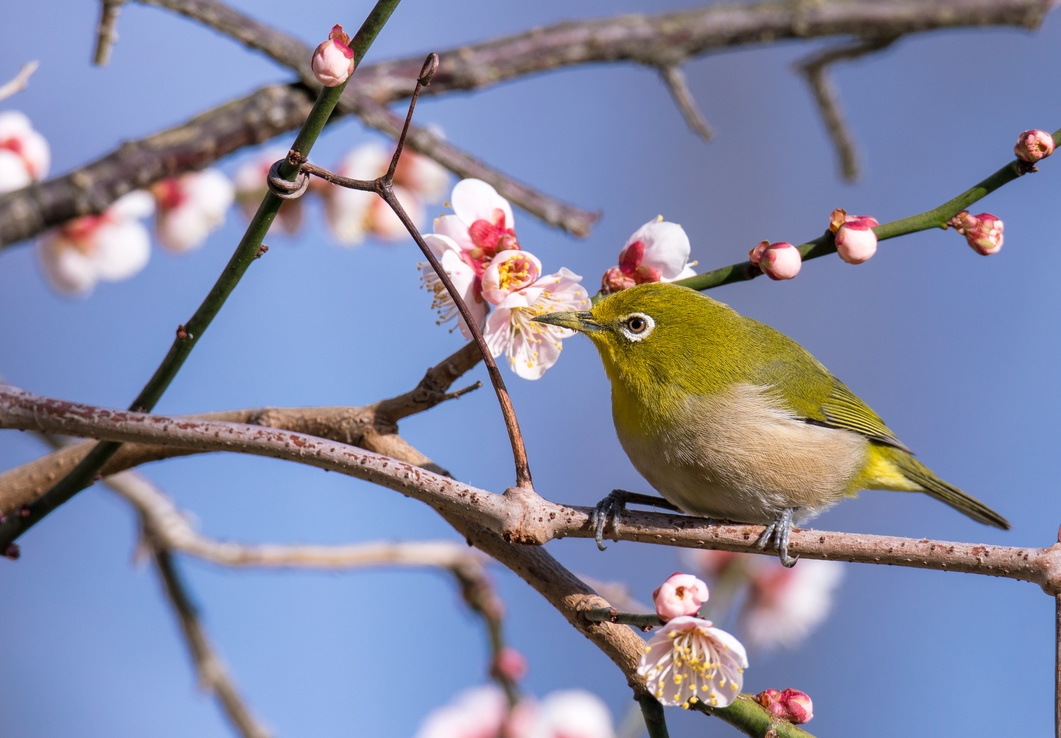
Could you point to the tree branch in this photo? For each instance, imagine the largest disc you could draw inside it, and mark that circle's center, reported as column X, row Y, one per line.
column 517, row 518
column 656, row 41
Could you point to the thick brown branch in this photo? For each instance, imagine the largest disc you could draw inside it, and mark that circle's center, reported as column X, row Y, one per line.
column 373, row 427
column 516, row 517
column 657, row 41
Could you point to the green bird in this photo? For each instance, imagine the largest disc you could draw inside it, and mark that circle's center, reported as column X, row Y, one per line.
column 729, row 419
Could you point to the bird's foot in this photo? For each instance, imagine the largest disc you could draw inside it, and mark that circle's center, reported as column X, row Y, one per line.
column 608, row 511
column 778, row 532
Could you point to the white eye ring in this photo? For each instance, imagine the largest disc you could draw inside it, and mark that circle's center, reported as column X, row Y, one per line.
column 636, row 326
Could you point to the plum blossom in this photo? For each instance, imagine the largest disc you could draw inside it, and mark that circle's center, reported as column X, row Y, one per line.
column 190, row 207
column 1034, row 145
column 784, row 605
column 483, row 712
column 983, row 232
column 658, row 251
column 689, row 661
column 780, row 260
column 681, row 594
column 532, row 347
column 790, row 704
column 112, row 246
column 250, row 184
column 481, row 224
column 467, row 284
column 24, row 153
column 333, row 60
column 353, row 215
column 853, row 235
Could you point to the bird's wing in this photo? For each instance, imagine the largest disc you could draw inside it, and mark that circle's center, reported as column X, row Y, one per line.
column 843, row 409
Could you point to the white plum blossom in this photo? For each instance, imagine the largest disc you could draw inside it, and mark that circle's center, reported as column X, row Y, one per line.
column 250, row 183
column 190, row 207
column 658, row 251
column 532, row 347
column 353, row 215
column 483, row 712
column 112, row 246
column 464, row 279
column 784, row 605
column 508, row 272
column 481, row 224
column 24, row 153
column 689, row 661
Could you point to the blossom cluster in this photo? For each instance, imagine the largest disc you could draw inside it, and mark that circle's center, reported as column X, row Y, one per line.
column 484, row 712
column 502, row 284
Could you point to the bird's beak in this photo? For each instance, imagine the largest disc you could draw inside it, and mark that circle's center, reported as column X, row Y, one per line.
column 581, row 322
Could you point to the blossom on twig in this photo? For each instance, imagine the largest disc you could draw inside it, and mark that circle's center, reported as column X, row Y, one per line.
column 658, row 251
column 780, row 260
column 112, row 246
column 689, row 661
column 791, row 704
column 681, row 594
column 854, row 236
column 190, row 207
column 24, row 153
column 333, row 60
column 983, row 232
column 1034, row 145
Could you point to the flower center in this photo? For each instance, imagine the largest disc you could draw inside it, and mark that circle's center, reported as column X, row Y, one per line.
column 490, row 237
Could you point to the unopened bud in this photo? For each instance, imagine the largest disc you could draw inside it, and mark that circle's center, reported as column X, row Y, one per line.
column 790, row 704
column 333, row 61
column 510, row 664
column 681, row 594
column 983, row 232
column 855, row 240
column 1034, row 145
column 780, row 260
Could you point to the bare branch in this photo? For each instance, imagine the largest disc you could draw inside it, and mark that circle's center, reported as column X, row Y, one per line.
column 674, row 78
column 814, row 69
column 20, row 80
column 373, row 427
column 656, row 41
column 212, row 673
column 518, row 518
column 106, row 31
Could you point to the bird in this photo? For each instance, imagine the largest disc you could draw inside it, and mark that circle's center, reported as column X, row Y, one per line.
column 732, row 420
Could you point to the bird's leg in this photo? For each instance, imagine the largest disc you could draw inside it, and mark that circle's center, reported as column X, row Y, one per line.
column 611, row 506
column 778, row 531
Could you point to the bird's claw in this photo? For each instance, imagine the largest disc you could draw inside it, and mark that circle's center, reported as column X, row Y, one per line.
column 607, row 510
column 778, row 532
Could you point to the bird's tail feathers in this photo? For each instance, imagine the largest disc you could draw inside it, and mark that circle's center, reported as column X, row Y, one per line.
column 932, row 485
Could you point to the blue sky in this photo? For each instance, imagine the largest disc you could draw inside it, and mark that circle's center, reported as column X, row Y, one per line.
column 957, row 352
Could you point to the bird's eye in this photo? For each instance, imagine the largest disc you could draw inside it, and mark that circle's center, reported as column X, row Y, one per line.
column 637, row 326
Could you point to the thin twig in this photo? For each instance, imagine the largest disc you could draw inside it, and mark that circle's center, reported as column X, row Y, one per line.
column 20, row 80
column 106, row 31
column 814, row 69
column 674, row 80
column 212, row 673
column 644, row 621
column 515, row 437
column 532, row 520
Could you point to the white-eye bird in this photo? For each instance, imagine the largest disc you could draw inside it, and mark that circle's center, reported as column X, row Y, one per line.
column 729, row 419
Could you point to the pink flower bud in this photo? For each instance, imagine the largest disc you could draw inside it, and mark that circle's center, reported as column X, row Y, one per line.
column 983, row 231
column 855, row 240
column 780, row 260
column 791, row 704
column 510, row 664
column 756, row 254
column 333, row 61
column 681, row 594
column 1034, row 145
column 615, row 280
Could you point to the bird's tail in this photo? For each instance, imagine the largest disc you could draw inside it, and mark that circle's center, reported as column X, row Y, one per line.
column 932, row 485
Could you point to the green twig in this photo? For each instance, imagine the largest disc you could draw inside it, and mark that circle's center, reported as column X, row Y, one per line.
column 751, row 718
column 655, row 720
column 611, row 615
column 246, row 252
column 935, row 218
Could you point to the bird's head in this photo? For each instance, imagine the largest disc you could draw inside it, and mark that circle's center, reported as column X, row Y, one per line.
column 655, row 334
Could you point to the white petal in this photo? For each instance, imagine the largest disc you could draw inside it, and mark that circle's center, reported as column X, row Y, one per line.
column 133, row 205
column 473, row 200
column 454, row 228
column 666, row 247
column 68, row 270
column 13, row 172
column 122, row 250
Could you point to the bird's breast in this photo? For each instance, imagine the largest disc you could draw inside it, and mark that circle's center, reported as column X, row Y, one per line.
column 739, row 455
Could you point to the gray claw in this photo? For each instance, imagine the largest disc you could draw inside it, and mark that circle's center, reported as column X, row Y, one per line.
column 778, row 531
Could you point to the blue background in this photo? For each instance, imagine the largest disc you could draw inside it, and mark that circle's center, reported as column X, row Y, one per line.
column 957, row 352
